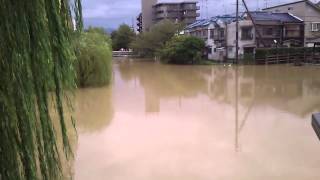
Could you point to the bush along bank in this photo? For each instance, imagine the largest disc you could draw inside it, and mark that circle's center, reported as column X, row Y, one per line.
column 182, row 50
column 94, row 59
column 287, row 55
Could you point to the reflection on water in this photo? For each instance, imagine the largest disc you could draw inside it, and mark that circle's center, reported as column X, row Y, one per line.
column 200, row 122
column 94, row 109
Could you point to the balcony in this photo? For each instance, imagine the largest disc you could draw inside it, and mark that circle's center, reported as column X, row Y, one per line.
column 193, row 8
column 246, row 37
column 187, row 15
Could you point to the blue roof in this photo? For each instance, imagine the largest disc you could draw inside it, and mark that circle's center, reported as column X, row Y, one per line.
column 206, row 22
column 226, row 18
column 200, row 23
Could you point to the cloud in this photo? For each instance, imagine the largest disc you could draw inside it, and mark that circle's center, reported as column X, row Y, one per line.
column 112, row 13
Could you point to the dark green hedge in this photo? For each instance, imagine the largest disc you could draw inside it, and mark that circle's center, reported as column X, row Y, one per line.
column 263, row 52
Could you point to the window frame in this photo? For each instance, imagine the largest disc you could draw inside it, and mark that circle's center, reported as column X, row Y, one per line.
column 250, row 34
column 268, row 31
column 316, row 25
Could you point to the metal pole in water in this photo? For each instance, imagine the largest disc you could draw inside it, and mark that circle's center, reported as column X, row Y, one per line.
column 236, row 80
column 237, row 33
column 316, row 124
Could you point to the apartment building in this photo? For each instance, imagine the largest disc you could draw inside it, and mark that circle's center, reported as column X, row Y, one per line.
column 308, row 12
column 154, row 11
column 147, row 13
column 185, row 12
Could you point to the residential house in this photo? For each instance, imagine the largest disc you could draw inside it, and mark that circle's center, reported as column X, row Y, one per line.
column 307, row 11
column 269, row 30
column 213, row 31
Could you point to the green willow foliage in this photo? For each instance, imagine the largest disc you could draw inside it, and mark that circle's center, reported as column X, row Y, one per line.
column 35, row 58
column 94, row 58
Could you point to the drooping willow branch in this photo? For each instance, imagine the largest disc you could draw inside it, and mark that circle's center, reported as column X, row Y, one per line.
column 36, row 60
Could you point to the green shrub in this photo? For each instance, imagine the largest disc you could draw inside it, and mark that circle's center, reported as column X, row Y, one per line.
column 148, row 43
column 94, row 59
column 182, row 50
column 122, row 37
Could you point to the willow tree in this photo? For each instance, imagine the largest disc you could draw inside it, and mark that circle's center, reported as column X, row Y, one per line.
column 36, row 62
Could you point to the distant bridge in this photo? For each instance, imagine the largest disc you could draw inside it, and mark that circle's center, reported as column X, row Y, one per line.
column 123, row 54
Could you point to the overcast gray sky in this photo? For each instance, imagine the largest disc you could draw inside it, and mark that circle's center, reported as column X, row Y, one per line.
column 112, row 13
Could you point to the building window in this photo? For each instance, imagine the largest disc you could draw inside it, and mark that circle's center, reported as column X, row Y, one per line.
column 267, row 31
column 204, row 33
column 211, row 33
column 292, row 31
column 315, row 26
column 246, row 33
column 222, row 33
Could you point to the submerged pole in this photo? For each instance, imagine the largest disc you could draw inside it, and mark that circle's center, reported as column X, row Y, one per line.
column 237, row 33
column 316, row 123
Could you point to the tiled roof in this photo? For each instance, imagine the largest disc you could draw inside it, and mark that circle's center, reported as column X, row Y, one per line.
column 280, row 17
column 226, row 18
column 200, row 23
column 206, row 22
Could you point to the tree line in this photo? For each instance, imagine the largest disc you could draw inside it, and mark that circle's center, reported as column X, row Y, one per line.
column 163, row 40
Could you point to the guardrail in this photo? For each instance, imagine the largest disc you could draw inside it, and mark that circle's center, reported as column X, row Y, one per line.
column 123, row 54
column 307, row 58
column 316, row 124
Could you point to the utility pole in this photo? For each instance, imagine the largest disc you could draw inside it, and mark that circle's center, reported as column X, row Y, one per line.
column 237, row 33
column 236, row 79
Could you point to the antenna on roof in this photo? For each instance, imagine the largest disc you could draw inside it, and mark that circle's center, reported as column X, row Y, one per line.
column 266, row 3
column 207, row 15
column 202, row 9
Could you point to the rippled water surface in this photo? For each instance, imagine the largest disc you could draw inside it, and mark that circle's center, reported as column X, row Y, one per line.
column 169, row 122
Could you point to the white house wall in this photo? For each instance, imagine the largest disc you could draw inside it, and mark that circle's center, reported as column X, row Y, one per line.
column 231, row 40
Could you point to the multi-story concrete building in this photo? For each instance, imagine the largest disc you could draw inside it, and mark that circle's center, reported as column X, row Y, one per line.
column 185, row 12
column 147, row 13
column 154, row 11
column 308, row 12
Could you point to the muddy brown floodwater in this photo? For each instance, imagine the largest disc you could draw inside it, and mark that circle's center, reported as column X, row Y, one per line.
column 170, row 122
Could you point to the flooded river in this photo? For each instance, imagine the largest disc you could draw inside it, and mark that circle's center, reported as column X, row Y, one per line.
column 170, row 122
